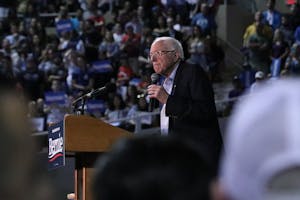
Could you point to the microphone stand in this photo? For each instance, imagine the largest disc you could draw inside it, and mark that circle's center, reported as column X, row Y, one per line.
column 84, row 97
column 79, row 111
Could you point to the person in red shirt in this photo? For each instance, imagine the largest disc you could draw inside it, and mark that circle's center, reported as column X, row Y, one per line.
column 130, row 46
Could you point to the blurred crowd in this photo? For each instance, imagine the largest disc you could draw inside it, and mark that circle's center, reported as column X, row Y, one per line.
column 53, row 52
column 271, row 48
column 261, row 145
column 97, row 42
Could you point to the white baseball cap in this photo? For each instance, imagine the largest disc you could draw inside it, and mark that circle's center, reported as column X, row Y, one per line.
column 261, row 160
column 259, row 74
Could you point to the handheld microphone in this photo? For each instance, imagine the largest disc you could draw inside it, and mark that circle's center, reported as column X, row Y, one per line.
column 153, row 102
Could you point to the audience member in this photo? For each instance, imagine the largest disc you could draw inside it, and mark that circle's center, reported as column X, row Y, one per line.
column 261, row 155
column 130, row 46
column 271, row 16
column 136, row 24
column 215, row 58
column 124, row 13
column 171, row 31
column 14, row 38
column 233, row 95
column 6, row 69
column 110, row 48
column 77, row 20
column 118, row 33
column 92, row 39
column 259, row 81
column 37, row 46
column 30, row 13
column 294, row 15
column 247, row 75
column 297, row 35
column 161, row 27
column 21, row 174
column 251, row 29
column 46, row 63
column 259, row 50
column 286, row 29
column 63, row 22
column 150, row 168
column 279, row 53
column 205, row 20
column 32, row 80
column 116, row 109
column 6, row 49
column 144, row 62
column 82, row 78
column 292, row 64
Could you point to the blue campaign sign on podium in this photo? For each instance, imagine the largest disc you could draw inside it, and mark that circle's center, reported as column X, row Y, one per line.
column 56, row 147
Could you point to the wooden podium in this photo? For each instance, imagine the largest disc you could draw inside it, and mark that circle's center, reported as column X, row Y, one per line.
column 87, row 138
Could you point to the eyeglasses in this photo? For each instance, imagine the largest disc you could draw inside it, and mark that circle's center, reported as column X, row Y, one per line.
column 159, row 53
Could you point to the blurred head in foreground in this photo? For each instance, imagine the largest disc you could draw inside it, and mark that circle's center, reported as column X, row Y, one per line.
column 261, row 160
column 149, row 167
column 21, row 176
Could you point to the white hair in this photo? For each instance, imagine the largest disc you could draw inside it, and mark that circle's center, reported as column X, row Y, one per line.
column 175, row 43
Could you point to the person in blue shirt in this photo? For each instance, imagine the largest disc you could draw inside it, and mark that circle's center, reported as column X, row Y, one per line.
column 271, row 16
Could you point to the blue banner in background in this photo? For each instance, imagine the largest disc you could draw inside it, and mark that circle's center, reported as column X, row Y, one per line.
column 102, row 66
column 96, row 107
column 64, row 25
column 59, row 98
column 56, row 147
column 135, row 81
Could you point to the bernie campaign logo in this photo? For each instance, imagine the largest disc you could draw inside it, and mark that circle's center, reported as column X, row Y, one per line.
column 55, row 146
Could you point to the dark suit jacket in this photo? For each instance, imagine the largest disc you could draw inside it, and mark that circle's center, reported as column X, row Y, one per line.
column 192, row 113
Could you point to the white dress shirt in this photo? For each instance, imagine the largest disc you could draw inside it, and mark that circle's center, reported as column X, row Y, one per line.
column 168, row 85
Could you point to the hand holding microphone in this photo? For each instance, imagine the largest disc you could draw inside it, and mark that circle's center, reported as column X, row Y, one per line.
column 156, row 92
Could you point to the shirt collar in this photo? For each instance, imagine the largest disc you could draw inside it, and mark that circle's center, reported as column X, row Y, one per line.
column 173, row 73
